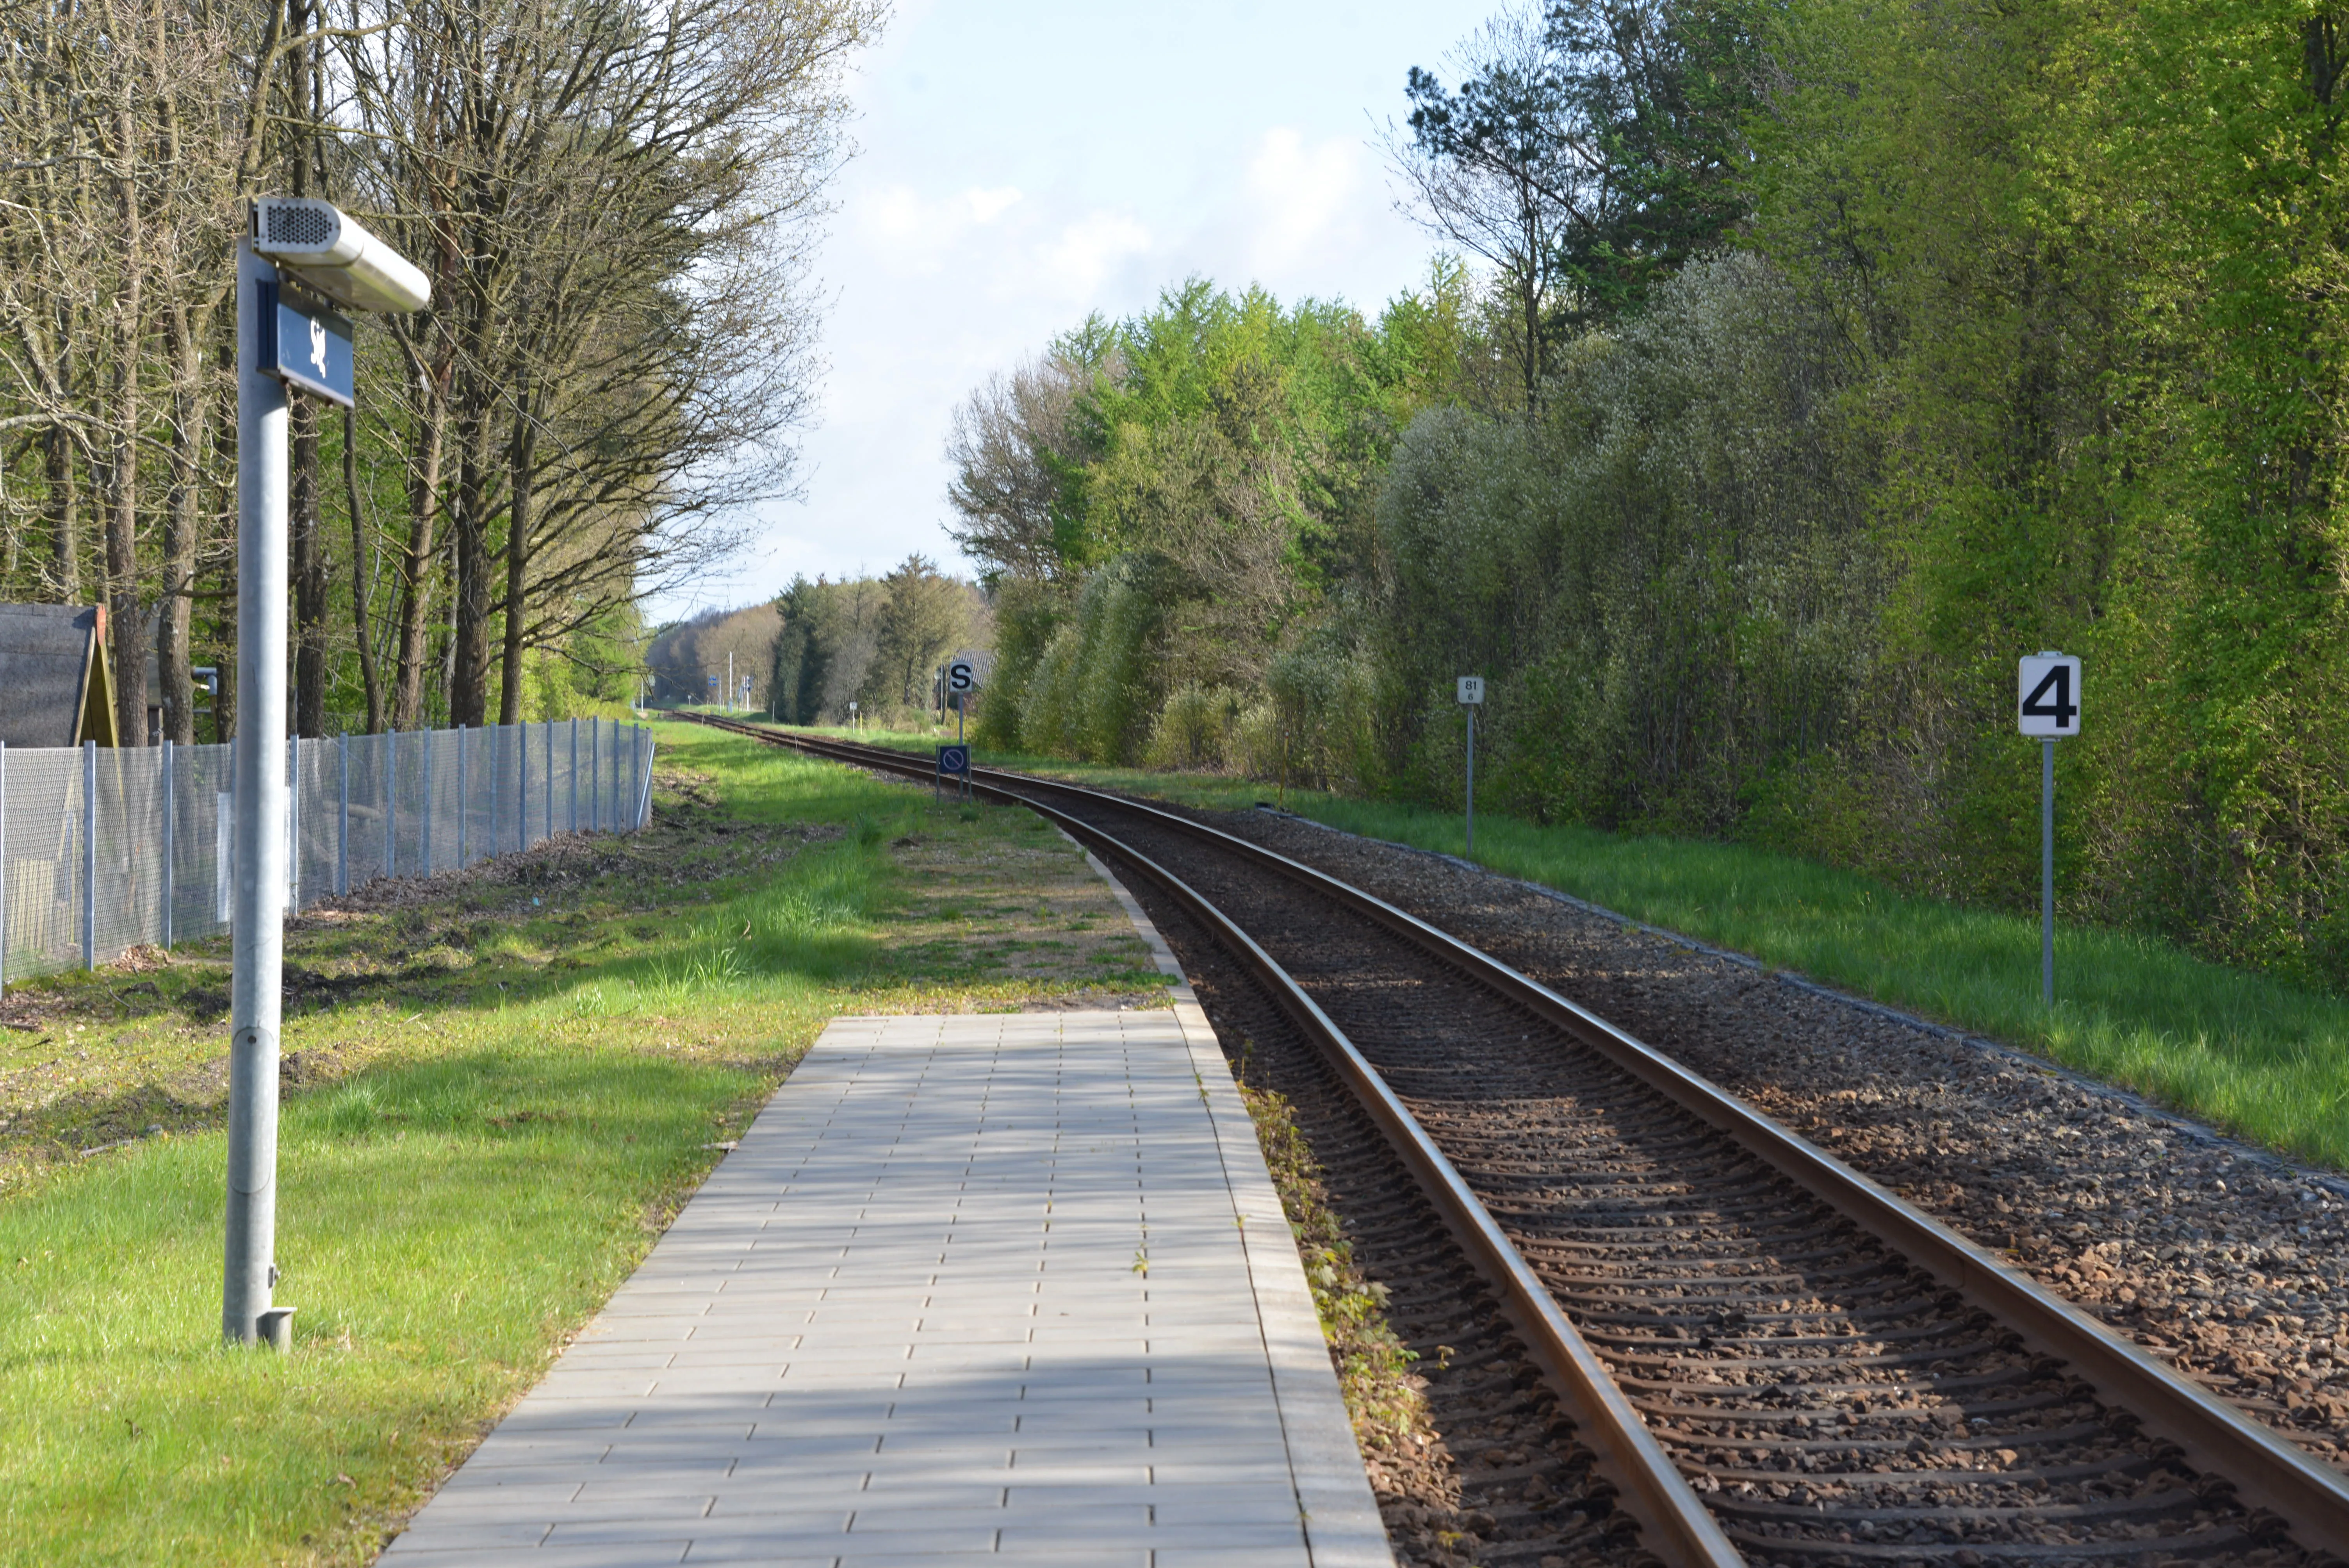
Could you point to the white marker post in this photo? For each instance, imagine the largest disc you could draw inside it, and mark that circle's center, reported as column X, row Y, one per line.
column 2048, row 704
column 1471, row 697
column 298, row 255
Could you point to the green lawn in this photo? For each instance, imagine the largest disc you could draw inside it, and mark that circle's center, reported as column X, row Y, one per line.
column 506, row 1083
column 2268, row 1060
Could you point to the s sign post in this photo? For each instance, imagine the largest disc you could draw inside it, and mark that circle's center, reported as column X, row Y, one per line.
column 1472, row 697
column 962, row 679
column 298, row 259
column 2048, row 704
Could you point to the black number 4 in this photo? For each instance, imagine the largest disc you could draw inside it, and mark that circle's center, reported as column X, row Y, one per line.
column 2062, row 710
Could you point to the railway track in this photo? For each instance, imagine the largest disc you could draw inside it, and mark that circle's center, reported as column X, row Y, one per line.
column 1774, row 1360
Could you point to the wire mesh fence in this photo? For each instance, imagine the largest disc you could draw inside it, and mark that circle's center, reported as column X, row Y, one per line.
column 104, row 850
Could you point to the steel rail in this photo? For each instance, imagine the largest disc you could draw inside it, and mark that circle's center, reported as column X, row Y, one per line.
column 1675, row 1525
column 2266, row 1470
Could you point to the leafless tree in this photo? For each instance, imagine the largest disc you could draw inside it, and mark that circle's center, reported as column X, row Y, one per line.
column 1500, row 167
column 615, row 202
column 1010, row 445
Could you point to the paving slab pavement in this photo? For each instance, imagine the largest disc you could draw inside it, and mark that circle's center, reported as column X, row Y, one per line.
column 1000, row 1287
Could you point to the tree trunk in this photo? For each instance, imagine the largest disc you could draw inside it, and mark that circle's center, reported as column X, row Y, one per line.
column 65, row 514
column 361, row 587
column 183, row 331
column 183, row 521
column 470, row 674
column 126, row 625
column 416, row 561
column 525, row 452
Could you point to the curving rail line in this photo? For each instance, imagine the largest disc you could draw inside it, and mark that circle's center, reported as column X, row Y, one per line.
column 1776, row 1359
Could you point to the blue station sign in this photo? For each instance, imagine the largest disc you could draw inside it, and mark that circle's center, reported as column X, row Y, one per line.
column 305, row 345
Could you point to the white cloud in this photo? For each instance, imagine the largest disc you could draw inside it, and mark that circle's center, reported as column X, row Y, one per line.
column 986, row 206
column 1084, row 254
column 1304, row 200
column 912, row 234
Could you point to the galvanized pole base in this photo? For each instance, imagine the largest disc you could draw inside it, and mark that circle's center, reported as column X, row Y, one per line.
column 247, row 1313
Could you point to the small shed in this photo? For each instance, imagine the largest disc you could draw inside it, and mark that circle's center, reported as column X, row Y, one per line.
column 56, row 684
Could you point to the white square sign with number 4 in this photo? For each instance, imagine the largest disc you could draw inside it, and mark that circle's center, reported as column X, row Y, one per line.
column 2047, row 692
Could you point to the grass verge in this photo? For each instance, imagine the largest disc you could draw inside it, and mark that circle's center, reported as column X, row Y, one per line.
column 2264, row 1059
column 499, row 1086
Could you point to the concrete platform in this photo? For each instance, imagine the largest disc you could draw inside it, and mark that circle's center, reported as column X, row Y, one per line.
column 1001, row 1288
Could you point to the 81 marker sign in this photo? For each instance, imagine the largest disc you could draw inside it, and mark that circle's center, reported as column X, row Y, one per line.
column 2047, row 695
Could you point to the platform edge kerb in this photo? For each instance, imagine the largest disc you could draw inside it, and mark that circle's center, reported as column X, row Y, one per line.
column 1343, row 1527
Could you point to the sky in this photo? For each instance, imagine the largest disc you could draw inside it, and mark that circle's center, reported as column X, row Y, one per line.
column 1023, row 163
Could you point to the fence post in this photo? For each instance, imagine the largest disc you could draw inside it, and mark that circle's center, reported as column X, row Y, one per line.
column 224, row 846
column 464, row 806
column 89, row 854
column 424, row 817
column 594, row 774
column 497, row 778
column 549, row 785
column 574, row 775
column 522, row 786
column 171, row 842
column 343, row 814
column 294, row 825
column 390, row 744
column 4, row 866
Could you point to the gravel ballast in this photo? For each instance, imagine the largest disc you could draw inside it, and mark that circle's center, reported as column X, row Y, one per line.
column 2210, row 1252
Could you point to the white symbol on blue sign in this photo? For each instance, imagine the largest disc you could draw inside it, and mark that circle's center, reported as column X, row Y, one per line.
column 307, row 346
column 954, row 760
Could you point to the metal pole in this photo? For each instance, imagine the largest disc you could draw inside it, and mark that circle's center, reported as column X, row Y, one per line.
column 259, row 797
column 1472, row 780
column 574, row 778
column 2047, row 872
column 390, row 744
column 171, row 842
column 89, row 854
column 497, row 780
column 594, row 774
column 546, row 785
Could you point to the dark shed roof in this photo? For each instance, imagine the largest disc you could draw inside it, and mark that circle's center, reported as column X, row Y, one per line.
column 56, row 687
